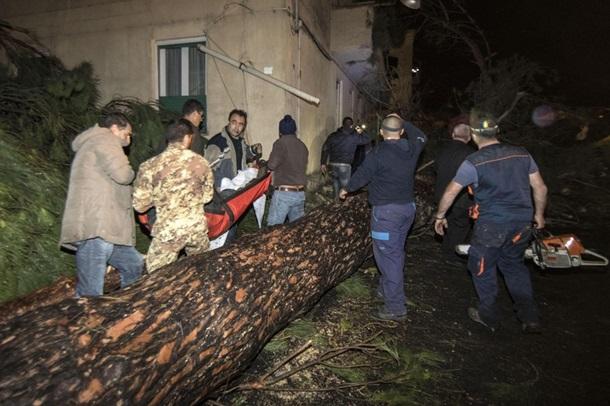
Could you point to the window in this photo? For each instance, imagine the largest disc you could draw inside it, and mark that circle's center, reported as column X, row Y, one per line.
column 182, row 73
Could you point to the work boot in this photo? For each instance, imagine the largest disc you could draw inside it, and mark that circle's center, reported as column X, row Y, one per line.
column 382, row 314
column 531, row 327
column 476, row 317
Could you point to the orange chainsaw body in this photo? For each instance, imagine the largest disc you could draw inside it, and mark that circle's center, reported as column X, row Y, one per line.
column 569, row 242
column 563, row 251
column 556, row 251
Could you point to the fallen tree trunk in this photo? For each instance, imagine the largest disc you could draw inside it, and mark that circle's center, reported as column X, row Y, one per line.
column 59, row 290
column 63, row 288
column 180, row 334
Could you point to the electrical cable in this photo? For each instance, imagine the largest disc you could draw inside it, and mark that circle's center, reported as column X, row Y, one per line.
column 224, row 84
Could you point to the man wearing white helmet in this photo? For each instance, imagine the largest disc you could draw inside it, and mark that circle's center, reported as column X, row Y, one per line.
column 504, row 178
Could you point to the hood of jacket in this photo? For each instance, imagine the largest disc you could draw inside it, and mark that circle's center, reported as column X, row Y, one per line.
column 401, row 143
column 89, row 134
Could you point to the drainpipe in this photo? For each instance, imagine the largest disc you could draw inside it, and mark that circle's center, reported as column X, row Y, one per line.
column 296, row 21
column 297, row 27
column 254, row 72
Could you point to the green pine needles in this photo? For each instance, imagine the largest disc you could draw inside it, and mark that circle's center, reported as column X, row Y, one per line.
column 32, row 194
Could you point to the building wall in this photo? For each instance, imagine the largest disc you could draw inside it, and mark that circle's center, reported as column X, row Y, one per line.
column 317, row 15
column 120, row 39
column 319, row 76
column 402, row 84
column 355, row 30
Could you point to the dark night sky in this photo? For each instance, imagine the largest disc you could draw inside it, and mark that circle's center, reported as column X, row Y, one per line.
column 568, row 36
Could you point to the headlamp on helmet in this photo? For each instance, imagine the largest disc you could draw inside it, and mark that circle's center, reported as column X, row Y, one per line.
column 485, row 126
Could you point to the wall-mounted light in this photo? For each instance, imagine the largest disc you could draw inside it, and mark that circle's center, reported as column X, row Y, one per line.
column 414, row 4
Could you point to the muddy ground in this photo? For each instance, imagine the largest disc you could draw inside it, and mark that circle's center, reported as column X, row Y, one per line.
column 567, row 364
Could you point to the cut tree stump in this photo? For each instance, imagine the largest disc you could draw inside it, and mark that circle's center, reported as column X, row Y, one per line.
column 181, row 334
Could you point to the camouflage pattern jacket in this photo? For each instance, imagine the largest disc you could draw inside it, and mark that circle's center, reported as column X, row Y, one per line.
column 177, row 182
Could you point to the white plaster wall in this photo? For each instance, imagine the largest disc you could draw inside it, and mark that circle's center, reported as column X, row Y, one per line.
column 352, row 29
column 119, row 37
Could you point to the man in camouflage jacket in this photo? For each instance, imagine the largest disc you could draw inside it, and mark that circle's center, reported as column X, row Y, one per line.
column 177, row 182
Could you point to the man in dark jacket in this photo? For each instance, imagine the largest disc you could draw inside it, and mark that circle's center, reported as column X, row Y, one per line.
column 450, row 156
column 504, row 178
column 389, row 170
column 192, row 110
column 338, row 152
column 288, row 161
column 227, row 151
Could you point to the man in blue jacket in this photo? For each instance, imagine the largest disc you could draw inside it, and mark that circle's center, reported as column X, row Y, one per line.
column 338, row 152
column 389, row 171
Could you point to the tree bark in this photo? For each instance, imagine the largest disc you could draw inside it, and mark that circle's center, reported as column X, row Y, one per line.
column 183, row 332
column 63, row 288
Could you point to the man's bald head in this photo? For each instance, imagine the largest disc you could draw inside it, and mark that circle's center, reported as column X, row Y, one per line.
column 392, row 126
column 461, row 132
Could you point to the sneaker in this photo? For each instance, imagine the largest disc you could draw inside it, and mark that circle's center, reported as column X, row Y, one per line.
column 383, row 314
column 531, row 327
column 462, row 249
column 474, row 316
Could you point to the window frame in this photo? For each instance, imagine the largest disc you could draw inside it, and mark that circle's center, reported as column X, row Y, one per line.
column 161, row 86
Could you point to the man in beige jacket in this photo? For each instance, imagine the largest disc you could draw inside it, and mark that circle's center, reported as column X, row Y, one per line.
column 98, row 218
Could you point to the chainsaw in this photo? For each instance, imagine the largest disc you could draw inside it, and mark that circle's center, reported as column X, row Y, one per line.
column 561, row 251
column 555, row 251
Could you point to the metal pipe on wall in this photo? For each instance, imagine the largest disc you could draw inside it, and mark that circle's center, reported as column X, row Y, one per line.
column 297, row 27
column 260, row 75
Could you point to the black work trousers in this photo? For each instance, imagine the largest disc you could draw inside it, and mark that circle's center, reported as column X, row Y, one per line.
column 458, row 229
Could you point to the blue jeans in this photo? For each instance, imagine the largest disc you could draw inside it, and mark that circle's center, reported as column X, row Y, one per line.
column 92, row 258
column 340, row 173
column 286, row 204
column 501, row 247
column 390, row 224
